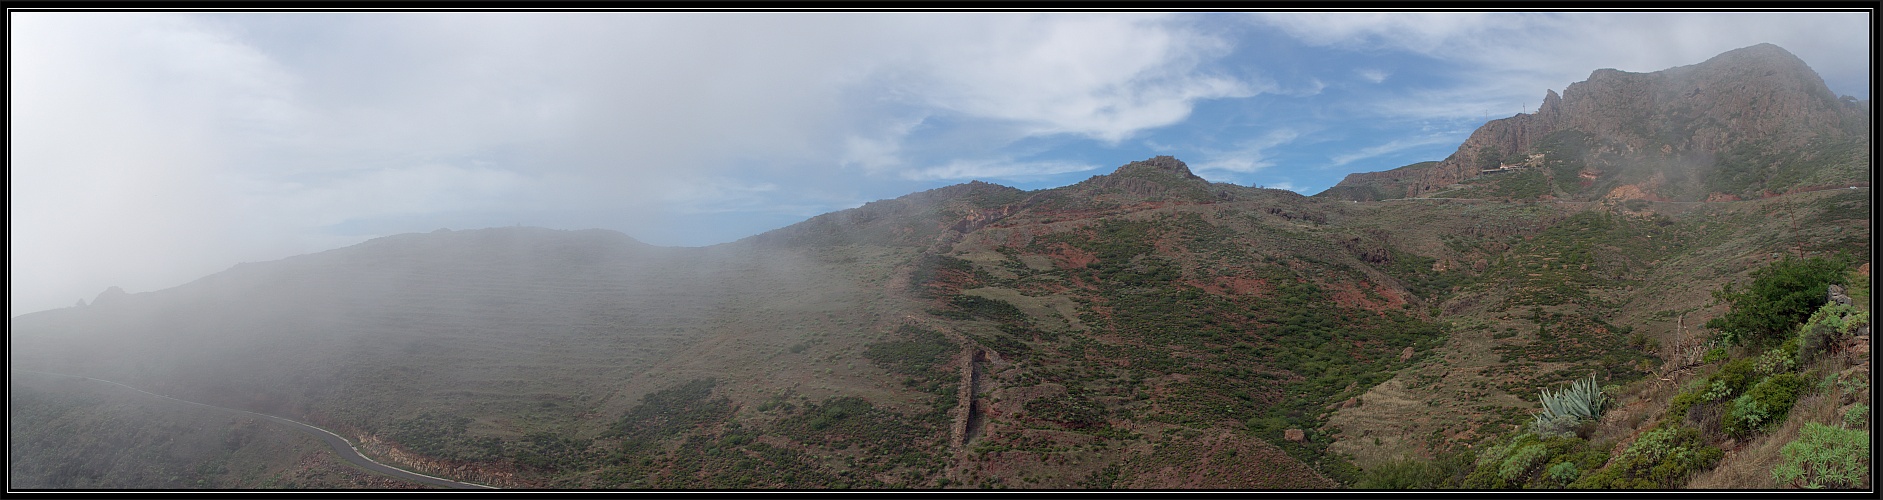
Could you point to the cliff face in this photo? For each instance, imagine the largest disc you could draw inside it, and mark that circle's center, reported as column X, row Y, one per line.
column 1760, row 94
column 1371, row 186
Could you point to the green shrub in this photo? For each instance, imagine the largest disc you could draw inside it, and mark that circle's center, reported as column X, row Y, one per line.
column 1714, row 354
column 1854, row 417
column 1532, row 461
column 1520, row 462
column 1764, row 404
column 1854, row 385
column 1778, row 360
column 1825, row 457
column 1685, row 401
column 1781, row 295
column 1736, row 376
column 1403, row 474
column 1825, row 326
column 1562, row 474
column 1660, row 458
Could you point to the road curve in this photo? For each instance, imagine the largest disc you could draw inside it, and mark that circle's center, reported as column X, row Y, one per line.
column 339, row 444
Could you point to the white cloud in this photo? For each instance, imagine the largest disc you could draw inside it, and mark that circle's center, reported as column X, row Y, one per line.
column 1102, row 76
column 1248, row 156
column 1372, row 75
column 998, row 168
column 1393, row 146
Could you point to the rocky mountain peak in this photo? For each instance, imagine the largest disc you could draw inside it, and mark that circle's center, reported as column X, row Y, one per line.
column 1166, row 164
column 1760, row 96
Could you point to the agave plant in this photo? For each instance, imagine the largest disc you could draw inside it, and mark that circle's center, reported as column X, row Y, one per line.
column 1582, row 400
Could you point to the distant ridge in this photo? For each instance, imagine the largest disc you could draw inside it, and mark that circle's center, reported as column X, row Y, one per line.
column 1690, row 124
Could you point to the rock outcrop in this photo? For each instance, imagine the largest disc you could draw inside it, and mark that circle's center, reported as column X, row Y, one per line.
column 1760, row 94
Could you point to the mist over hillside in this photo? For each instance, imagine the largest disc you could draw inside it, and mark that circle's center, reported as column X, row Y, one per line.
column 1141, row 329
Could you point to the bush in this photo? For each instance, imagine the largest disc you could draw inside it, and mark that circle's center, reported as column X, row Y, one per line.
column 1661, row 458
column 1825, row 326
column 1825, row 457
column 1780, row 360
column 1403, row 474
column 1735, row 376
column 1782, row 294
column 1562, row 474
column 1764, row 404
column 1532, row 461
column 1854, row 417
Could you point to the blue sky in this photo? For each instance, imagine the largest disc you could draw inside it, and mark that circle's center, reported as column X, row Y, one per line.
column 151, row 149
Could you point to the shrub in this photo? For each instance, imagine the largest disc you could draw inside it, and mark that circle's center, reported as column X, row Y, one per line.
column 1685, row 401
column 1854, row 417
column 1532, row 461
column 1764, row 404
column 1521, row 461
column 1736, row 376
column 1403, row 474
column 1660, row 458
column 1782, row 294
column 1777, row 360
column 1562, row 473
column 1825, row 457
column 1825, row 326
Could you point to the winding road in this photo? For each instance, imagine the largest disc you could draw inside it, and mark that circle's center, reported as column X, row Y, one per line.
column 339, row 444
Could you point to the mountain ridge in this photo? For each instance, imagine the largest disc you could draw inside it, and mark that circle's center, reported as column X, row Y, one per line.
column 1635, row 124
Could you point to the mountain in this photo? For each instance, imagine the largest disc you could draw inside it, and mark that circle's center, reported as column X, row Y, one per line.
column 1140, row 329
column 1748, row 123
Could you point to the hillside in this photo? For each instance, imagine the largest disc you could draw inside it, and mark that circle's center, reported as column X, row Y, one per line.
column 1748, row 123
column 1140, row 329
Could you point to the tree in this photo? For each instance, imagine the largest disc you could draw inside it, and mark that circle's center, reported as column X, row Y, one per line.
column 1781, row 295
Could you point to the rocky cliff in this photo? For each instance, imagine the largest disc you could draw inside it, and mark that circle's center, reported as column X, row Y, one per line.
column 1747, row 103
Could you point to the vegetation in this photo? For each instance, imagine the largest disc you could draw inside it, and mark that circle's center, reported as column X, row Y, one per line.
column 1661, row 458
column 1826, row 457
column 1532, row 461
column 443, row 436
column 1780, row 296
column 1764, row 404
column 1828, row 324
column 916, row 352
column 1402, row 474
column 1567, row 409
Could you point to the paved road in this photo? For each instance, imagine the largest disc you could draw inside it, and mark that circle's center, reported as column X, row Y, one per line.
column 339, row 444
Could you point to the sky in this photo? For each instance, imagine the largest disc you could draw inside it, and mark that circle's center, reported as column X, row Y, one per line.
column 150, row 149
